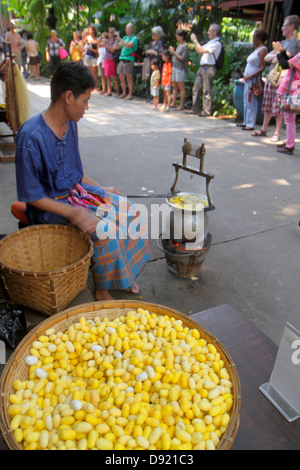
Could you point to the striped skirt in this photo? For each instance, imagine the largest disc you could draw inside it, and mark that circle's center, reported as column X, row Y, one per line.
column 271, row 102
column 118, row 257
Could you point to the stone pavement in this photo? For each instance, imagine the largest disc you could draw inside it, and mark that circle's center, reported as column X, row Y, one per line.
column 253, row 263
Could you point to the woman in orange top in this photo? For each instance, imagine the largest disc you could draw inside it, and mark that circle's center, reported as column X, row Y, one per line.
column 166, row 79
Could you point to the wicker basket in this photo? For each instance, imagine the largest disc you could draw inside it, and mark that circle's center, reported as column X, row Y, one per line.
column 44, row 267
column 17, row 369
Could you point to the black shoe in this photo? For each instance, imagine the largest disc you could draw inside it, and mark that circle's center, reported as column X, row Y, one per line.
column 285, row 150
column 283, row 146
column 240, row 125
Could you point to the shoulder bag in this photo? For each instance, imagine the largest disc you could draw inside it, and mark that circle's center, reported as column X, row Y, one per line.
column 290, row 103
column 258, row 87
column 275, row 75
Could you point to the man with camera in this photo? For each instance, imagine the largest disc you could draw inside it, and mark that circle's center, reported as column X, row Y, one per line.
column 129, row 45
column 207, row 70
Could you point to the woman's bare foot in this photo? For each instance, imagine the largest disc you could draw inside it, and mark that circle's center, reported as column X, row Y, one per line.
column 134, row 290
column 103, row 295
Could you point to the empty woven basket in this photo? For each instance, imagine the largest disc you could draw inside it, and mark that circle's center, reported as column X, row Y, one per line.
column 44, row 267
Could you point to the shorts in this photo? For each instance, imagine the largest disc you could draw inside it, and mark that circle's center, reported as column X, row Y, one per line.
column 167, row 87
column 90, row 61
column 126, row 67
column 155, row 91
column 34, row 60
column 178, row 75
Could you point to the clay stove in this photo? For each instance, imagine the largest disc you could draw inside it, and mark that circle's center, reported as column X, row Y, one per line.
column 186, row 257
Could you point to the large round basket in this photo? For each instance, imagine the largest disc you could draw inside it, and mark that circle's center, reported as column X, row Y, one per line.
column 16, row 368
column 44, row 267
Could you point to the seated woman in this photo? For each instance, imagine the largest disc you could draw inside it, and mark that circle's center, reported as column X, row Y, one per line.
column 50, row 179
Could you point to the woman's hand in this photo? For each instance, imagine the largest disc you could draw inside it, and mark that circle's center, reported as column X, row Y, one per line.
column 113, row 190
column 277, row 46
column 83, row 220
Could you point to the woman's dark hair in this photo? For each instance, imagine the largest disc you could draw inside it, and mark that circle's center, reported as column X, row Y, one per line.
column 29, row 35
column 72, row 76
column 181, row 33
column 261, row 34
column 94, row 29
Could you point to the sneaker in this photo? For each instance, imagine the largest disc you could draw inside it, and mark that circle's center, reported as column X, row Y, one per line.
column 285, row 150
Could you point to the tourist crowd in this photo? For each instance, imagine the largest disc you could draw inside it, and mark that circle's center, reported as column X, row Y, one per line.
column 111, row 59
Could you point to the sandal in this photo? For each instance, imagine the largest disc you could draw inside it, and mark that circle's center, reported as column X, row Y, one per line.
column 259, row 134
column 275, row 138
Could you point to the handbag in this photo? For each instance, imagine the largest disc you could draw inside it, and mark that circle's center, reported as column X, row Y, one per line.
column 258, row 87
column 290, row 103
column 275, row 76
column 63, row 54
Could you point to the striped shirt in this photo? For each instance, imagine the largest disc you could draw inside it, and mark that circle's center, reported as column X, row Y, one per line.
column 53, row 47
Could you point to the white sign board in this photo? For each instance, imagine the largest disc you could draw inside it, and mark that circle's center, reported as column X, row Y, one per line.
column 283, row 390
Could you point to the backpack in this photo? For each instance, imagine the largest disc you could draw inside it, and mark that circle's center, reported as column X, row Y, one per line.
column 138, row 54
column 116, row 55
column 221, row 58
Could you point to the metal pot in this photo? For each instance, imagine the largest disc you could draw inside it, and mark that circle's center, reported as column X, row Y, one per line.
column 188, row 224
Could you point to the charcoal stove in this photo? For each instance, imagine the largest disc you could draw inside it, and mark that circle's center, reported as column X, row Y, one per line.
column 185, row 256
column 183, row 262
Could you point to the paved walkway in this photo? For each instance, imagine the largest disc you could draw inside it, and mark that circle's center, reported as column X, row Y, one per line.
column 108, row 116
column 254, row 260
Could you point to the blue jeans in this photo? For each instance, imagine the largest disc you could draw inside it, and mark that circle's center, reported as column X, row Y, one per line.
column 250, row 107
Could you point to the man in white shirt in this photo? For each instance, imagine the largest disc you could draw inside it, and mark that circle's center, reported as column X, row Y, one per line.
column 207, row 70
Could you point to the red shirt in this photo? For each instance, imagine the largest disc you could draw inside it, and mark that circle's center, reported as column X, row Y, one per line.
column 166, row 78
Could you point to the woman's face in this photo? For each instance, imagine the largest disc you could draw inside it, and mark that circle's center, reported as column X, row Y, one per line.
column 155, row 37
column 256, row 40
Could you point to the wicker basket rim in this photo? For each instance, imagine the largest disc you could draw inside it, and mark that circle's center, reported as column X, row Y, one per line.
column 95, row 308
column 54, row 272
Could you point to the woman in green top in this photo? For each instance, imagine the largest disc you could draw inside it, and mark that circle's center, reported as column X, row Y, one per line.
column 129, row 45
